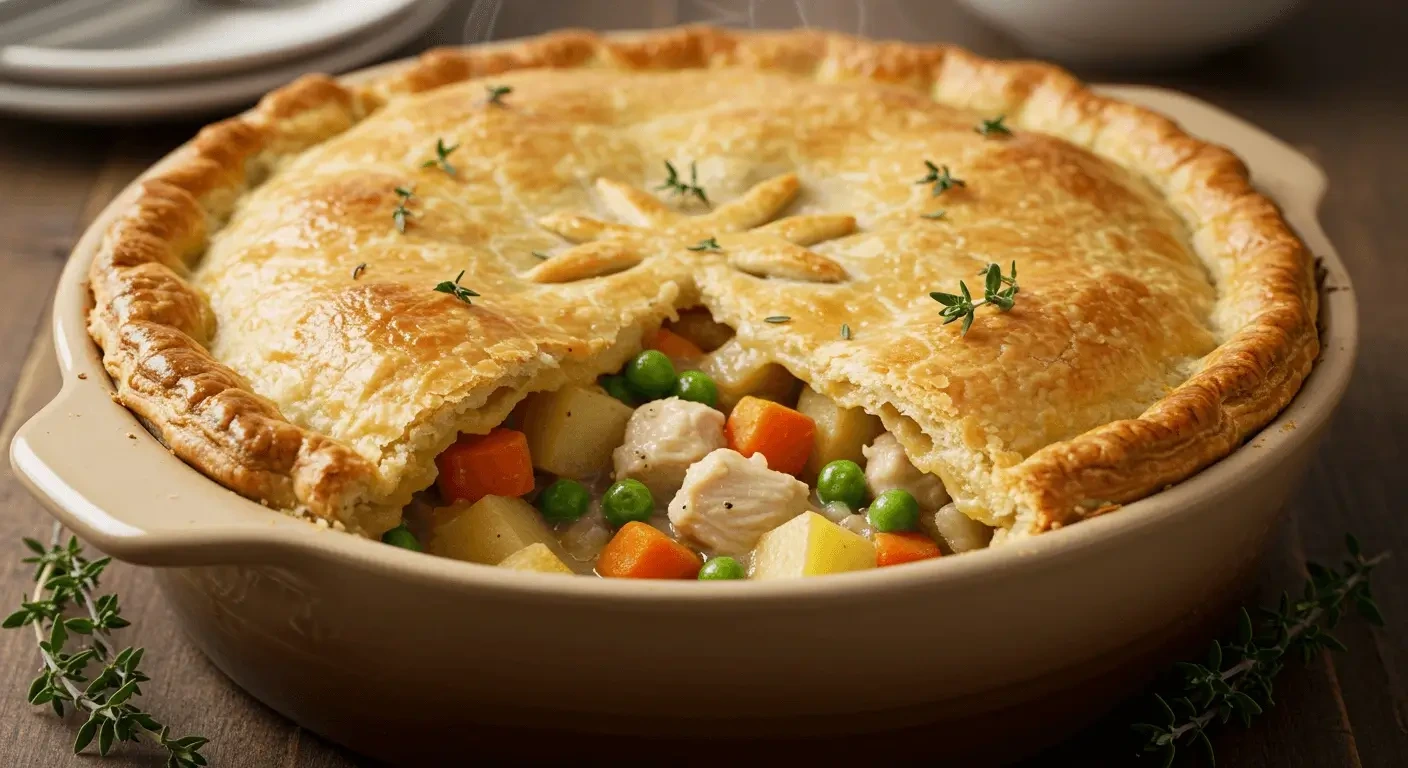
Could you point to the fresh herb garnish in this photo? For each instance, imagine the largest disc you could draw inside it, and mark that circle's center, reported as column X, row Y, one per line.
column 497, row 94
column 934, row 215
column 455, row 289
column 845, row 331
column 940, row 177
column 775, row 319
column 994, row 127
column 401, row 213
column 994, row 292
column 356, row 273
column 677, row 185
column 442, row 155
column 1236, row 679
column 66, row 579
column 712, row 244
column 541, row 255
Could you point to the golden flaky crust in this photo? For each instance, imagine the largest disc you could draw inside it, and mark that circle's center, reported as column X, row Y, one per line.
column 1166, row 310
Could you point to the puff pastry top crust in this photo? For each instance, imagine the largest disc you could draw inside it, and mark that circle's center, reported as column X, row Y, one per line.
column 1166, row 310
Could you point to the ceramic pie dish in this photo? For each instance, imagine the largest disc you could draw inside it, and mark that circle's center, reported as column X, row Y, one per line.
column 299, row 614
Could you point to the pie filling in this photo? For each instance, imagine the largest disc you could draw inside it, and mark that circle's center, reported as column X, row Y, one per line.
column 700, row 458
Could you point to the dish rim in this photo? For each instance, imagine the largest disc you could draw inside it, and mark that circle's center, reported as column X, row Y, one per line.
column 52, row 64
column 274, row 537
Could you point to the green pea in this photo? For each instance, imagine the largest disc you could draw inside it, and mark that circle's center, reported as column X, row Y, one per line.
column 627, row 500
column 401, row 536
column 841, row 480
column 721, row 569
column 616, row 387
column 651, row 375
column 698, row 387
column 894, row 510
column 564, row 501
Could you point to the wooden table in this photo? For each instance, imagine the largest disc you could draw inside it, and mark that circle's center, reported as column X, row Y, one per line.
column 1331, row 82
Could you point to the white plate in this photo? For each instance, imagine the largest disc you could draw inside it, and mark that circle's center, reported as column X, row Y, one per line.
column 140, row 40
column 116, row 104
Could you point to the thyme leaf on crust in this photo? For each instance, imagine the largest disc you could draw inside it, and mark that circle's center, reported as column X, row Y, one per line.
column 496, row 94
column 442, row 158
column 994, row 127
column 998, row 289
column 941, row 178
column 678, row 186
column 712, row 244
column 402, row 213
column 454, row 288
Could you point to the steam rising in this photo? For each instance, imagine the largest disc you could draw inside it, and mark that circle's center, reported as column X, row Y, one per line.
column 497, row 19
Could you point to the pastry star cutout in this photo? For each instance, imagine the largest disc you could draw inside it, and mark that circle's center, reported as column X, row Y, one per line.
column 749, row 238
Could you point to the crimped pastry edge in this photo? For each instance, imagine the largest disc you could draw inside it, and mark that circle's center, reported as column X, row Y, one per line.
column 152, row 325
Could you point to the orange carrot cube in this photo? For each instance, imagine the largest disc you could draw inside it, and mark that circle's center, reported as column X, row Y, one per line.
column 496, row 464
column 641, row 551
column 675, row 346
column 782, row 435
column 908, row 547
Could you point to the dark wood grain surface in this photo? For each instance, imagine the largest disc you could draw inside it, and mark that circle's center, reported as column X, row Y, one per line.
column 1333, row 81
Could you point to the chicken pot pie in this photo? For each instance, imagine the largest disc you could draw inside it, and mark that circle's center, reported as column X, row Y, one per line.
column 697, row 291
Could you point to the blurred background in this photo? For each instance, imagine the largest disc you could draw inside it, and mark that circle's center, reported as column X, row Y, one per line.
column 111, row 60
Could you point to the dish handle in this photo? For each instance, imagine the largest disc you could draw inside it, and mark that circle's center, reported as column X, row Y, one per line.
column 104, row 477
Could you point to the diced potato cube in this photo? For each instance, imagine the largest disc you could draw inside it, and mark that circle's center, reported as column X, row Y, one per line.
column 840, row 432
column 810, row 545
column 489, row 530
column 700, row 327
column 739, row 372
column 955, row 530
column 535, row 557
column 571, row 432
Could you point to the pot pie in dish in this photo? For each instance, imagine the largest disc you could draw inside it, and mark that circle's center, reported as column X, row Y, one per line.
column 702, row 304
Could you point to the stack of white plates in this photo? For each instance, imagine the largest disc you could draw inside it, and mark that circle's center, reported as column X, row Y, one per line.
column 121, row 60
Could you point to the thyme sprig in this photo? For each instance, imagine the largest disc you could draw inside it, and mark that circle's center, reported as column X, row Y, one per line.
column 994, row 127
column 677, row 185
column 998, row 289
column 941, row 178
column 1220, row 689
column 442, row 157
column 496, row 94
column 402, row 213
column 454, row 288
column 67, row 582
column 711, row 244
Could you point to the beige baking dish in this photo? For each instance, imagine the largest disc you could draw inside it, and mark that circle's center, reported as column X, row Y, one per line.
column 409, row 657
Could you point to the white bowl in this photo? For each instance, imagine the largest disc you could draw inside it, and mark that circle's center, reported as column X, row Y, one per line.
column 1130, row 32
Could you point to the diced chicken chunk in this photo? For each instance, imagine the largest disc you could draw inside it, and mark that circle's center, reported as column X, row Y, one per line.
column 728, row 502
column 662, row 439
column 887, row 467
